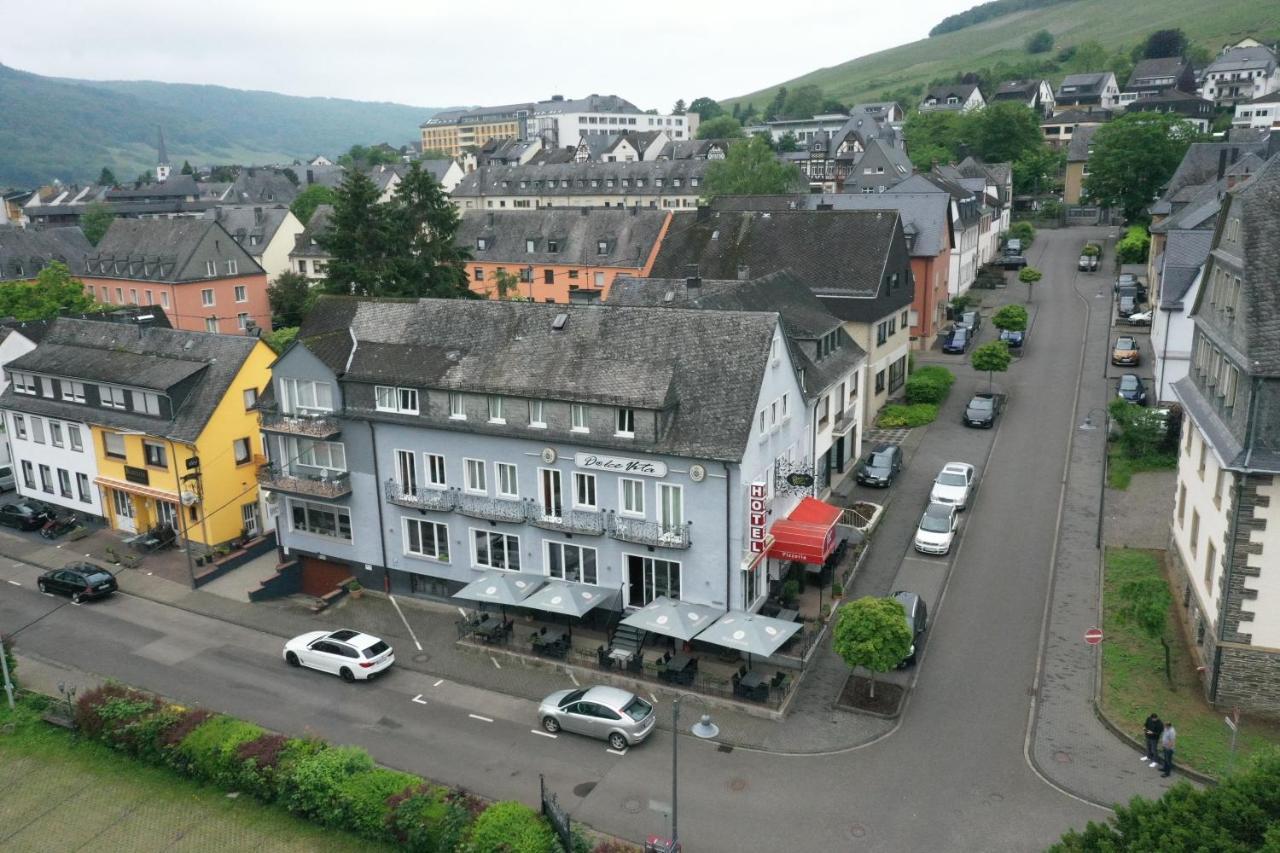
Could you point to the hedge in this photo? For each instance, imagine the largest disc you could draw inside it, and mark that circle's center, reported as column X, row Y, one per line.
column 929, row 385
column 339, row 787
column 897, row 415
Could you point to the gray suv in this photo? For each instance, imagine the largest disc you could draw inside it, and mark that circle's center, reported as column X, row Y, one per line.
column 917, row 621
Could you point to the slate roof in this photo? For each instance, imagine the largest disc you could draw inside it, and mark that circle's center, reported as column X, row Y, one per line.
column 1078, row 147
column 437, row 167
column 1083, row 85
column 842, row 254
column 702, row 368
column 590, row 104
column 305, row 244
column 489, row 181
column 176, row 185
column 1152, row 69
column 263, row 185
column 1257, row 202
column 1185, row 253
column 961, row 91
column 35, row 330
column 243, row 221
column 25, row 251
column 630, row 234
column 170, row 250
column 204, row 364
column 1016, row 90
column 1081, row 117
column 1200, row 164
column 804, row 317
column 1241, row 58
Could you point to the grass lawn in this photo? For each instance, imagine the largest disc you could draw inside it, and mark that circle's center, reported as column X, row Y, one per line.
column 1134, row 684
column 1121, row 468
column 58, row 793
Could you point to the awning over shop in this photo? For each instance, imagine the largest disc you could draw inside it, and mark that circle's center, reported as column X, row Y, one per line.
column 808, row 534
column 136, row 489
column 568, row 598
column 749, row 633
column 505, row 588
column 673, row 618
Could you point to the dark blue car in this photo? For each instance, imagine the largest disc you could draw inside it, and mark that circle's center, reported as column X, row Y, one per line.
column 957, row 341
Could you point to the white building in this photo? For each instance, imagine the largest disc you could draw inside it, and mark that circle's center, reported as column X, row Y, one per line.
column 1241, row 73
column 1259, row 114
column 560, row 122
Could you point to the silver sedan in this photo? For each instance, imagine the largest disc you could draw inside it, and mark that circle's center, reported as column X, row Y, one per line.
column 618, row 716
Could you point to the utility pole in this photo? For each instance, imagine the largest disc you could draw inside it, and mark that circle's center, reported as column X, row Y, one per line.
column 4, row 669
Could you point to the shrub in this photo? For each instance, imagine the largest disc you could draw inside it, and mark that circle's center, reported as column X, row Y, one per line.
column 416, row 818
column 511, row 827
column 1132, row 248
column 1024, row 231
column 189, row 720
column 897, row 415
column 103, row 709
column 311, row 785
column 259, row 760
column 209, row 752
column 362, row 799
column 929, row 385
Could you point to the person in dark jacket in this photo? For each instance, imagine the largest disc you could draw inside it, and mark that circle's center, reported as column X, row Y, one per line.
column 1152, row 728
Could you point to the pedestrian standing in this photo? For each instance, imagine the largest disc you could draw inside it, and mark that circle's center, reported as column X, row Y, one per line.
column 1152, row 728
column 1168, row 742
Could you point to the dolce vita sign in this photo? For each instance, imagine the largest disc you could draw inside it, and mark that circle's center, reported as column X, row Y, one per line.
column 620, row 464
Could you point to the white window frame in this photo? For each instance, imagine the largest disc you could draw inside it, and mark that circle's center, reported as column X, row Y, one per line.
column 471, row 467
column 494, row 403
column 543, row 475
column 106, row 442
column 241, row 293
column 408, row 484
column 291, row 396
column 74, row 439
column 23, row 383
column 457, row 406
column 56, row 434
column 72, row 391
column 302, row 451
column 584, row 481
column 436, row 466
column 626, row 422
column 628, row 508
column 549, row 545
column 501, row 472
column 637, row 601
column 338, row 511
column 578, row 419
column 438, row 539
column 112, row 397
column 207, row 297
column 669, row 488
column 490, row 535
column 538, row 414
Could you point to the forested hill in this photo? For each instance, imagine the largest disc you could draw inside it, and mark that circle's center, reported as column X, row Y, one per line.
column 69, row 129
column 987, row 11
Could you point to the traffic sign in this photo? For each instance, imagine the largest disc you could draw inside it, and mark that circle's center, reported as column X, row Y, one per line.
column 1231, row 724
column 1093, row 636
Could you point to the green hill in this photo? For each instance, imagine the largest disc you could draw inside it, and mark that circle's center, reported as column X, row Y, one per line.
column 70, row 129
column 1002, row 39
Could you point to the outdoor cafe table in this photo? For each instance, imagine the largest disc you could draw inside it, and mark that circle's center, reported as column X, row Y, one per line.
column 551, row 638
column 751, row 681
column 787, row 615
column 680, row 663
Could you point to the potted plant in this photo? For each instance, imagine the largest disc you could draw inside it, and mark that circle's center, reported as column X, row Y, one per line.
column 355, row 588
column 112, row 557
column 837, row 589
column 790, row 592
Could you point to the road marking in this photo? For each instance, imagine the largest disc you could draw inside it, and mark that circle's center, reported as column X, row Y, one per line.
column 573, row 679
column 419, row 699
column 654, row 698
column 18, row 565
column 438, row 682
column 480, row 718
column 412, row 635
column 75, row 604
column 15, row 583
column 495, row 662
column 57, row 546
column 42, row 592
column 616, row 751
column 544, row 734
column 463, row 612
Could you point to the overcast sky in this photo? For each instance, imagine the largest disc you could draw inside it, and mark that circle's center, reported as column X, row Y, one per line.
column 435, row 54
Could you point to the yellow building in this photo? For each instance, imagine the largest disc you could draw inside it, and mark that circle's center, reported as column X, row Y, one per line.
column 173, row 433
column 453, row 131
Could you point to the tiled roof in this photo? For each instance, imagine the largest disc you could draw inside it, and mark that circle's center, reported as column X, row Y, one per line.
column 642, row 357
column 317, row 225
column 1078, row 147
column 204, row 364
column 629, row 235
column 25, row 251
column 1257, row 203
column 1240, row 58
column 170, row 250
column 1148, row 69
column 490, row 180
column 244, row 221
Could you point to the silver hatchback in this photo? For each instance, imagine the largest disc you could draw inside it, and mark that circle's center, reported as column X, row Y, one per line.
column 618, row 716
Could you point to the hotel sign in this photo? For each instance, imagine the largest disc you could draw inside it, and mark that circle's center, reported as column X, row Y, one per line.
column 756, row 517
column 619, row 464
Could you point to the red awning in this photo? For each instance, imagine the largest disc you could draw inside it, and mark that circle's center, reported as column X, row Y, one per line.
column 807, row 535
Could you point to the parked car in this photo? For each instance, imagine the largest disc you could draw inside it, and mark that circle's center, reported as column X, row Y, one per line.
column 1014, row 340
column 957, row 341
column 953, row 485
column 982, row 410
column 1133, row 389
column 881, row 466
column 6, row 477
column 1140, row 318
column 1125, row 351
column 970, row 320
column 349, row 654
column 937, row 528
column 1013, row 246
column 1087, row 263
column 1125, row 279
column 917, row 621
column 618, row 716
column 81, row 581
column 1126, row 306
column 26, row 514
column 1137, row 291
column 1014, row 261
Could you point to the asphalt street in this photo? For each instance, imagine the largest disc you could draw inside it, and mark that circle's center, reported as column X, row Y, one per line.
column 952, row 776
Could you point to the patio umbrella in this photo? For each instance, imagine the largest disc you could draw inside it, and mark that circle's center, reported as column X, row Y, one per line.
column 673, row 618
column 572, row 600
column 749, row 633
column 501, row 588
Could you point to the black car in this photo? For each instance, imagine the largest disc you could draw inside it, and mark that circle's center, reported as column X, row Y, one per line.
column 881, row 466
column 81, row 581
column 1012, row 339
column 1126, row 279
column 982, row 410
column 917, row 621
column 1133, row 389
column 957, row 341
column 25, row 514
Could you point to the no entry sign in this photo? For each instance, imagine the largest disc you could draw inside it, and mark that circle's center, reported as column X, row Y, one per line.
column 1093, row 636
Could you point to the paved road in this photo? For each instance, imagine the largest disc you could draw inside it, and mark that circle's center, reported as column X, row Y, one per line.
column 952, row 776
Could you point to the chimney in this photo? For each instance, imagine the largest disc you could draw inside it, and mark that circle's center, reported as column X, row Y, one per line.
column 704, row 213
column 257, row 216
column 586, row 211
column 1235, row 155
column 692, row 281
column 311, row 176
column 744, row 272
column 1222, row 163
column 489, row 217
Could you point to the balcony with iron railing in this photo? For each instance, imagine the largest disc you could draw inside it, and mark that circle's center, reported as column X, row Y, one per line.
column 312, row 482
column 653, row 533
column 846, row 419
column 588, row 522
column 312, row 424
column 491, row 509
column 419, row 498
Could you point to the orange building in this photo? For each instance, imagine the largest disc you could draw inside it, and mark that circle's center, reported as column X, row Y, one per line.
column 548, row 254
column 192, row 268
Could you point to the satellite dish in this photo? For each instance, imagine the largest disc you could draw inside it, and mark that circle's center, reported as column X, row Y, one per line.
column 189, row 498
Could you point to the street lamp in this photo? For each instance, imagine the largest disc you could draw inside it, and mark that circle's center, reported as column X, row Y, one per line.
column 704, row 729
column 1088, row 423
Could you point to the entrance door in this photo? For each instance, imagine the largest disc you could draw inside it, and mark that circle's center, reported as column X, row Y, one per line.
column 124, row 513
column 552, row 496
column 252, row 521
column 168, row 513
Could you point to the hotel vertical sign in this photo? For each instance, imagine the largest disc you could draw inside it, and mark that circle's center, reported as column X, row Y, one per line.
column 756, row 517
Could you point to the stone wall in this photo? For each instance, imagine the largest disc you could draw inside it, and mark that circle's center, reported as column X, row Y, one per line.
column 1249, row 679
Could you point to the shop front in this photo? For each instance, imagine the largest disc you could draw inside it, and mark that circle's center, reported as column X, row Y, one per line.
column 136, row 508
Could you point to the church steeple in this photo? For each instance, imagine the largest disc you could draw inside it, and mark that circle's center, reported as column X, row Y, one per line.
column 162, row 162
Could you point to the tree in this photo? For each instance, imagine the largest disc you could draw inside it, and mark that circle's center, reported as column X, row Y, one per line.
column 832, row 105
column 720, row 127
column 1012, row 318
column 1036, row 170
column 107, row 178
column 1165, row 43
column 1134, row 245
column 279, row 339
column 1029, row 276
column 1144, row 604
column 751, row 168
column 53, row 292
column 1040, row 42
column 147, row 177
column 290, row 297
column 774, row 109
column 291, row 175
column 708, row 109
column 309, row 199
column 679, row 108
column 95, row 221
column 507, row 285
column 932, row 137
column 1133, row 157
column 787, row 142
column 187, row 169
column 423, row 225
column 872, row 633
column 358, row 239
column 1001, row 133
column 1024, row 231
column 993, row 358
column 803, row 102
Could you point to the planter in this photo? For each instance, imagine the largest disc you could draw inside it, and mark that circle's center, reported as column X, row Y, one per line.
column 863, row 516
column 357, row 592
